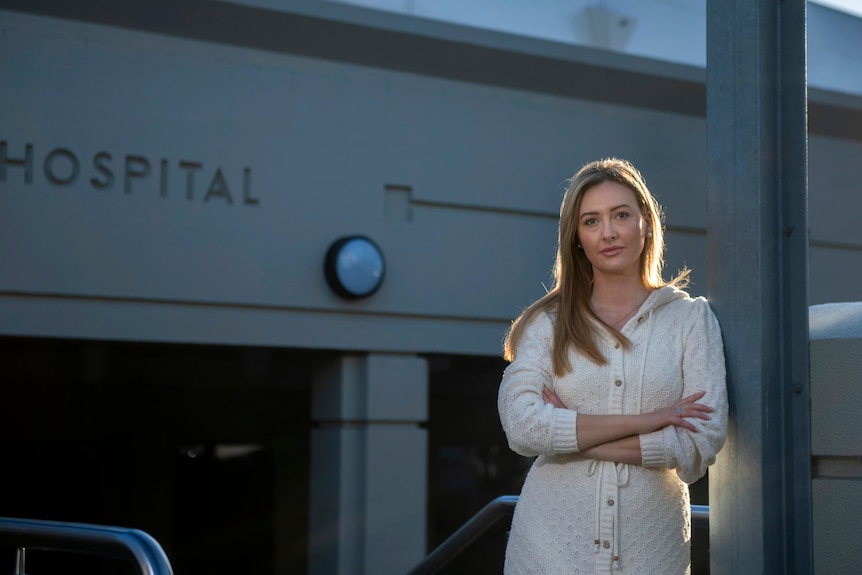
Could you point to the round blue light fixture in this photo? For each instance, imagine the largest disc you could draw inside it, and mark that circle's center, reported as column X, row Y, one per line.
column 354, row 267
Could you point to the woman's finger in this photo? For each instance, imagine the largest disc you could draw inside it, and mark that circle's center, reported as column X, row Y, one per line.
column 550, row 396
column 693, row 397
column 682, row 412
column 688, row 425
column 701, row 407
column 681, row 421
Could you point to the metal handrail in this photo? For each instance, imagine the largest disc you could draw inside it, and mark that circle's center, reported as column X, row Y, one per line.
column 499, row 508
column 132, row 545
column 700, row 516
column 475, row 527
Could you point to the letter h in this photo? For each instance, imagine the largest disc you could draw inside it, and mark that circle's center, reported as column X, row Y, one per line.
column 27, row 162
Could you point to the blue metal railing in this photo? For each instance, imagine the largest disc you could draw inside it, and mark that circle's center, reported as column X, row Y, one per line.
column 132, row 545
column 498, row 509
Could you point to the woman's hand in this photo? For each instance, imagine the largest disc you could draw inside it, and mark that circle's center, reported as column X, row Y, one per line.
column 678, row 414
column 550, row 396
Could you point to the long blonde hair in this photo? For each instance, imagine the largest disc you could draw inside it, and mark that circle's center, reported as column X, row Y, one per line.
column 569, row 299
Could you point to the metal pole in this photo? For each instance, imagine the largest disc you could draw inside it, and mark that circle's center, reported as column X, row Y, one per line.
column 20, row 558
column 757, row 248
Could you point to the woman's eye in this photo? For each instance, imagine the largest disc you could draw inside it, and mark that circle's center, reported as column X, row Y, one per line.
column 622, row 215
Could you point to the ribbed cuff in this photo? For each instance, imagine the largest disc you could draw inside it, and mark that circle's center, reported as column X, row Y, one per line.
column 565, row 438
column 652, row 449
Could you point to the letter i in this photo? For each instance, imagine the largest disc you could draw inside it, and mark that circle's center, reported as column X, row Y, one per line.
column 163, row 178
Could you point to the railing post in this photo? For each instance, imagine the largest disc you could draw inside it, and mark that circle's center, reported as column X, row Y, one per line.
column 19, row 561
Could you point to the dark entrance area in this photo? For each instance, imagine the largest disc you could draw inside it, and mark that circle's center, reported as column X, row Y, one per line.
column 205, row 448
column 470, row 461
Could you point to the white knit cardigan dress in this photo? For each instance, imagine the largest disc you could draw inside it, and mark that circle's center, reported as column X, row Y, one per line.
column 578, row 515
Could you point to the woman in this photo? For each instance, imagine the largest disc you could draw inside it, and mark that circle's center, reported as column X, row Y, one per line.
column 617, row 384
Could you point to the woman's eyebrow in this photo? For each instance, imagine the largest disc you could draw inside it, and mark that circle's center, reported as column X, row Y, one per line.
column 613, row 209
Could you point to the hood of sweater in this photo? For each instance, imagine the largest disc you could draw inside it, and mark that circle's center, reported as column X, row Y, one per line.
column 661, row 297
column 656, row 299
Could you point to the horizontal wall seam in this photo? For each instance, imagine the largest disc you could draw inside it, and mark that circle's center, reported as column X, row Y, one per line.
column 374, row 313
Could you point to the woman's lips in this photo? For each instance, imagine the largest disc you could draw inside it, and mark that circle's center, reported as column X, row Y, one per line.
column 611, row 251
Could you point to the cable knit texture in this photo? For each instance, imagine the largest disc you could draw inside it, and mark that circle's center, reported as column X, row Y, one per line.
column 576, row 515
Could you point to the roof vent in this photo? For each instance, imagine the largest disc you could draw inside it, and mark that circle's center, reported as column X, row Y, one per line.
column 607, row 29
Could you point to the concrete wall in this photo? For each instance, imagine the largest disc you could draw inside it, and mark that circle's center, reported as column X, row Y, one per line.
column 836, row 437
column 157, row 187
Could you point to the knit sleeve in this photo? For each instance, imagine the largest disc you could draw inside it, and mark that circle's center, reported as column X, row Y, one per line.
column 703, row 365
column 533, row 427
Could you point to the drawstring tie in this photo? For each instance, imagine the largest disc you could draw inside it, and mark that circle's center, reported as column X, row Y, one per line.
column 619, row 479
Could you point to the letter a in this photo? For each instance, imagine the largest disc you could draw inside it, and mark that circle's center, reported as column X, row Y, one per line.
column 218, row 188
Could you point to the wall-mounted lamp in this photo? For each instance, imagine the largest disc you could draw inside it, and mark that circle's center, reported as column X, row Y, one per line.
column 354, row 267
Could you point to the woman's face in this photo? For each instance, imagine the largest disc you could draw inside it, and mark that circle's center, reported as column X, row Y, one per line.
column 611, row 229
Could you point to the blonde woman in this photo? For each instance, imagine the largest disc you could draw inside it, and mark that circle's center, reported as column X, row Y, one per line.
column 616, row 382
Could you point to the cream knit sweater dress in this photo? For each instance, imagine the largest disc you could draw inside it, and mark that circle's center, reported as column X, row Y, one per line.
column 577, row 515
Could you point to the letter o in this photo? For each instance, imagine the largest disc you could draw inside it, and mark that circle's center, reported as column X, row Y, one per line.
column 49, row 167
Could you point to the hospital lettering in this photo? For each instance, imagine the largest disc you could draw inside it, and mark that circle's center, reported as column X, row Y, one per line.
column 191, row 180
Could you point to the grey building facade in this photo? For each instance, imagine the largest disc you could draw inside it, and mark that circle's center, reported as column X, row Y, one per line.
column 171, row 178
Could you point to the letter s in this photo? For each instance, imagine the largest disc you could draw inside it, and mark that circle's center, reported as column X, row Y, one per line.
column 100, row 162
